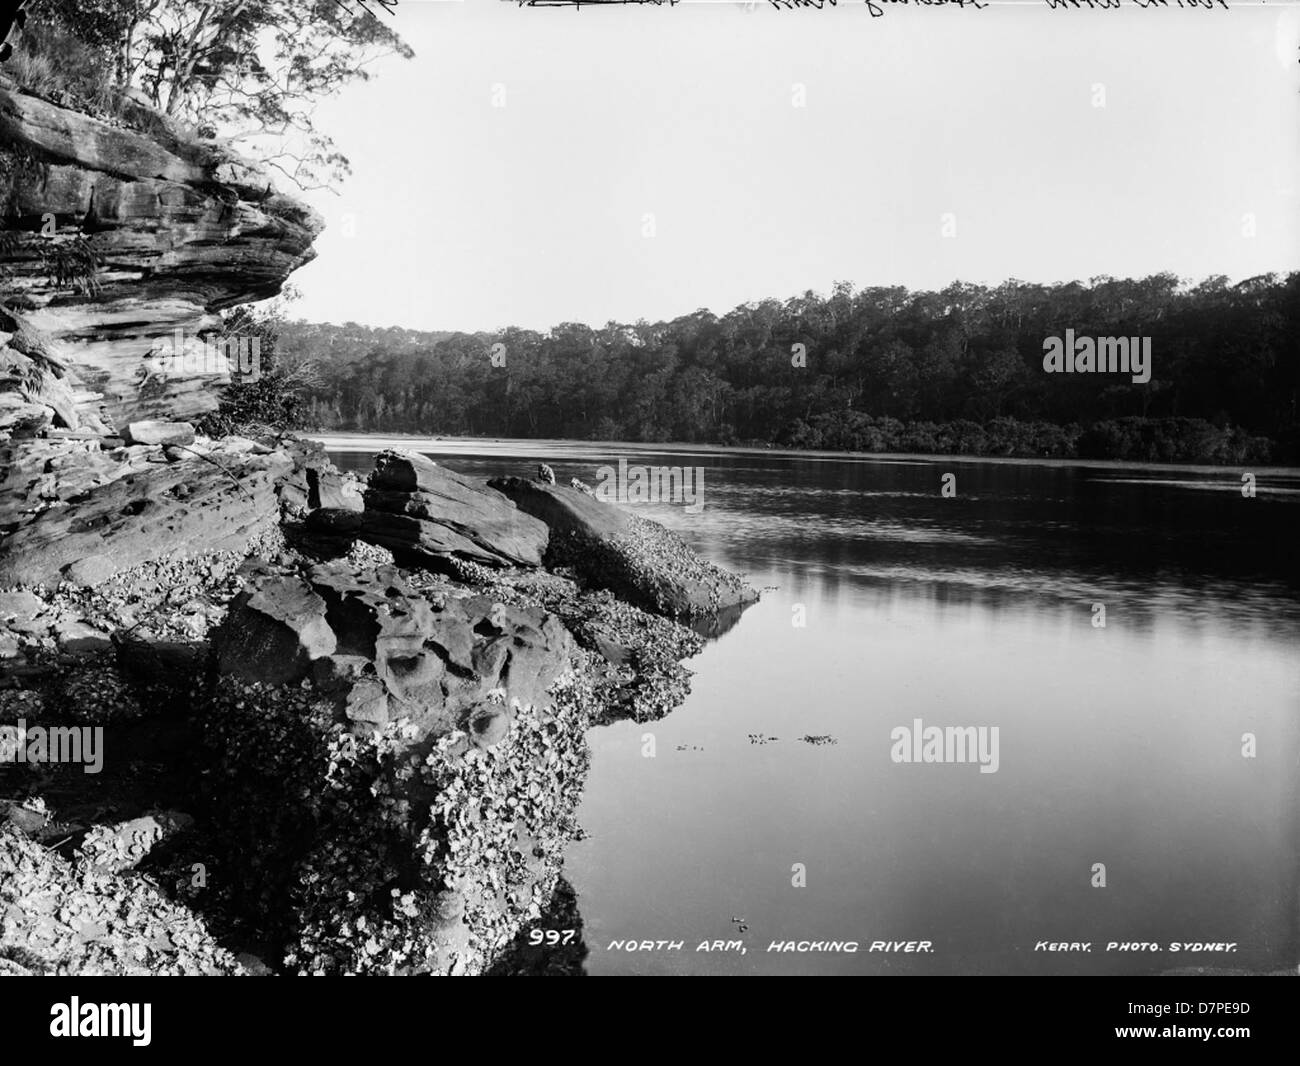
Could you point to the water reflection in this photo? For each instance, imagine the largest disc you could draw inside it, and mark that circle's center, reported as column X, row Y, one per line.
column 1120, row 745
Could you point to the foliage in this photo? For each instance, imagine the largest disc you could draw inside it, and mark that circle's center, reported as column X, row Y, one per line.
column 246, row 70
column 70, row 263
column 956, row 371
column 274, row 398
column 58, row 60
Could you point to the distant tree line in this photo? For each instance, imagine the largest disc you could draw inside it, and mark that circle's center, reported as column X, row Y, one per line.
column 876, row 369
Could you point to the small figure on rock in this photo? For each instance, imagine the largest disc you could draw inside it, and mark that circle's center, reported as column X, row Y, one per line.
column 545, row 473
column 582, row 486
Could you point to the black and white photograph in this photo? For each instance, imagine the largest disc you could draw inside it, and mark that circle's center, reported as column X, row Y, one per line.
column 684, row 488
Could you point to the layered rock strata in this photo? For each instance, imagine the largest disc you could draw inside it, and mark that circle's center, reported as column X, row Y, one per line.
column 176, row 230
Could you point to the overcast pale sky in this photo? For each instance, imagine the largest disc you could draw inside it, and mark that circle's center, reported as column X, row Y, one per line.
column 465, row 215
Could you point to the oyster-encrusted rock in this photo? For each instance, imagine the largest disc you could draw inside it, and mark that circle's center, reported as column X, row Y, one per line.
column 58, row 918
column 632, row 556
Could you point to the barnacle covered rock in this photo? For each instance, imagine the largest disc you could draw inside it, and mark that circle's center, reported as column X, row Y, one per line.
column 58, row 917
column 637, row 559
column 386, row 852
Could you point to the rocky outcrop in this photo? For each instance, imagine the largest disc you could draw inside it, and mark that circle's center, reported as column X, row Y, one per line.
column 383, row 652
column 182, row 229
column 397, row 769
column 385, row 763
column 428, row 513
column 388, row 765
column 83, row 510
column 634, row 557
column 315, row 484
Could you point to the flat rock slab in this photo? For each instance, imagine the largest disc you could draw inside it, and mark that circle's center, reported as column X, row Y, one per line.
column 150, row 511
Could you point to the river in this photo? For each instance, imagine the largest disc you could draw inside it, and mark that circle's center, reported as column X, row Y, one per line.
column 1145, row 784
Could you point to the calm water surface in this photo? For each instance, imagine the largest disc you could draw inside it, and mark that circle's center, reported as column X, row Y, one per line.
column 1119, row 745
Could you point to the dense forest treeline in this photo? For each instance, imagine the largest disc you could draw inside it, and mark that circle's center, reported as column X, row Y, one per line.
column 882, row 369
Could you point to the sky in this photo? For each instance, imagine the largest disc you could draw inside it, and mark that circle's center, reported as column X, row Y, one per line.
column 532, row 166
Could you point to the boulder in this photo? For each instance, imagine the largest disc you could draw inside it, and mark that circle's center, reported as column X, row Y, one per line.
column 24, row 819
column 334, row 521
column 273, row 633
column 330, row 489
column 415, row 506
column 35, row 627
column 637, row 559
column 399, row 470
column 18, row 418
column 19, row 605
column 123, row 846
column 564, row 509
column 430, row 543
column 90, row 571
column 293, row 499
column 77, row 637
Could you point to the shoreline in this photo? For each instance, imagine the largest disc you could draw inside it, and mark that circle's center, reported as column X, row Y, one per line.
column 405, row 673
column 512, row 447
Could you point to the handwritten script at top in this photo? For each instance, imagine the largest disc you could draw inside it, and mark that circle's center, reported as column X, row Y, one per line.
column 876, row 8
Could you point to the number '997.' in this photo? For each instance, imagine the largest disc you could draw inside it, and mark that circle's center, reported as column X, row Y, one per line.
column 552, row 937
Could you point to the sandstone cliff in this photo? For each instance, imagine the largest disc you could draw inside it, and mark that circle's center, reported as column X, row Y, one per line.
column 182, row 228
